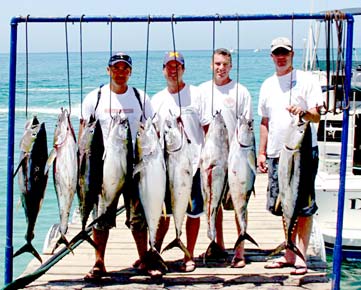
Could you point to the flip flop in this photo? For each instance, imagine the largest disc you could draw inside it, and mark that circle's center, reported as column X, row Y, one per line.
column 95, row 273
column 188, row 266
column 299, row 270
column 277, row 265
column 238, row 262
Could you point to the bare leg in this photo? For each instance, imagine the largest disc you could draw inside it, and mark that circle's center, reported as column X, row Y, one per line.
column 100, row 238
column 238, row 260
column 304, row 228
column 161, row 232
column 192, row 229
column 141, row 241
column 219, row 228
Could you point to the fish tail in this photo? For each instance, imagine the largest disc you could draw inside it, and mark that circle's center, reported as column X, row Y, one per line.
column 154, row 261
column 179, row 244
column 62, row 240
column 214, row 252
column 243, row 237
column 28, row 247
column 279, row 248
column 296, row 250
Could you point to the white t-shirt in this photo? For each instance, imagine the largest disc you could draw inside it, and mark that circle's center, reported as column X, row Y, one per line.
column 275, row 96
column 108, row 104
column 224, row 100
column 192, row 115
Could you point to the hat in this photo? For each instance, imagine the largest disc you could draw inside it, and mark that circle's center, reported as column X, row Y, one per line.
column 173, row 55
column 120, row 57
column 281, row 42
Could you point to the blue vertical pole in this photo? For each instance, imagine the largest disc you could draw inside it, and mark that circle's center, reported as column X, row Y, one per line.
column 337, row 253
column 10, row 165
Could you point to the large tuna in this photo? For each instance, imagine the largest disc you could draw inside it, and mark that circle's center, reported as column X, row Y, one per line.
column 213, row 167
column 150, row 172
column 91, row 150
column 118, row 165
column 64, row 157
column 32, row 179
column 242, row 173
column 179, row 174
column 289, row 170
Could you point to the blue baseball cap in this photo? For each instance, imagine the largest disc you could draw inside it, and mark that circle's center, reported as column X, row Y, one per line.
column 120, row 57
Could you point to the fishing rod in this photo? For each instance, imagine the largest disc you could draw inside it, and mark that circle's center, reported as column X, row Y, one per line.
column 76, row 241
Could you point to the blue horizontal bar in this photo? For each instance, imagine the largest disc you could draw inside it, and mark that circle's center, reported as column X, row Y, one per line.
column 177, row 18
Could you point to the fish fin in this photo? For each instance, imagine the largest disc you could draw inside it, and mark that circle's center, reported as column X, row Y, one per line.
column 179, row 244
column 19, row 166
column 279, row 248
column 28, row 247
column 251, row 160
column 292, row 170
column 190, row 203
column 164, row 210
column 243, row 237
column 50, row 160
column 153, row 260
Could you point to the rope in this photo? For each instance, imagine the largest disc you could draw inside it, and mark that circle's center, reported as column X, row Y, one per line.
column 146, row 69
column 213, row 50
column 67, row 60
column 81, row 65
column 110, row 55
column 26, row 68
column 237, row 68
column 175, row 57
column 292, row 31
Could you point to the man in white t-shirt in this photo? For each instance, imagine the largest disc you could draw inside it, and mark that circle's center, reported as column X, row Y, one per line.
column 220, row 94
column 179, row 98
column 289, row 92
column 103, row 102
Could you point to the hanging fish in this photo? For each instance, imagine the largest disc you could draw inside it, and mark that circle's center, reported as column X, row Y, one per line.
column 31, row 177
column 213, row 168
column 65, row 160
column 242, row 173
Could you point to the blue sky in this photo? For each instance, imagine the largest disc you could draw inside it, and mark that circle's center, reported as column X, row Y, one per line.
column 131, row 36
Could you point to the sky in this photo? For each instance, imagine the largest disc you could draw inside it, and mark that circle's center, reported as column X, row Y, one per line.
column 50, row 37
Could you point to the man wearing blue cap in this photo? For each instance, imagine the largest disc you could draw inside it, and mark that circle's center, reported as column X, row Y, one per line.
column 184, row 101
column 133, row 103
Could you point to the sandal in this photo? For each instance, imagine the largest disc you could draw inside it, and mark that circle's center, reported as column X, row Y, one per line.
column 299, row 270
column 96, row 273
column 238, row 262
column 188, row 266
column 276, row 264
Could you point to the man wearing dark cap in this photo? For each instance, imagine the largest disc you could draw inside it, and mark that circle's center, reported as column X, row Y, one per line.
column 102, row 103
column 182, row 100
column 288, row 93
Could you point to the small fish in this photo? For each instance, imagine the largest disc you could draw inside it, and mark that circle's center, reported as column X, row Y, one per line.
column 65, row 160
column 179, row 174
column 150, row 172
column 213, row 168
column 32, row 179
column 289, row 179
column 242, row 173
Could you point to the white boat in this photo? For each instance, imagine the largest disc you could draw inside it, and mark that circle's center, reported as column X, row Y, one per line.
column 329, row 140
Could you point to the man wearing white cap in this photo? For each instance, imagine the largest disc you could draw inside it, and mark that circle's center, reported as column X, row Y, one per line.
column 103, row 102
column 287, row 93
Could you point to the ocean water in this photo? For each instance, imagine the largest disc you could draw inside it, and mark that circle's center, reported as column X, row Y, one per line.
column 48, row 91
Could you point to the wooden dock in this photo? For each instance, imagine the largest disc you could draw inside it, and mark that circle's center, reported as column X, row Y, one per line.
column 121, row 252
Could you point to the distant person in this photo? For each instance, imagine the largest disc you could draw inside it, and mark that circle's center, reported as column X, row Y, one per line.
column 288, row 92
column 184, row 101
column 129, row 101
column 224, row 94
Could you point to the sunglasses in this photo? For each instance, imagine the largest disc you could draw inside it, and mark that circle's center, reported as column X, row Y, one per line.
column 281, row 51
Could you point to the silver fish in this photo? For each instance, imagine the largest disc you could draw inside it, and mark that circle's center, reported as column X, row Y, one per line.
column 242, row 173
column 180, row 175
column 118, row 164
column 32, row 179
column 289, row 179
column 91, row 150
column 150, row 172
column 213, row 168
column 64, row 157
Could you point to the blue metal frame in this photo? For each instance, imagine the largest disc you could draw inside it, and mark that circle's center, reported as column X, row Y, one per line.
column 177, row 18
